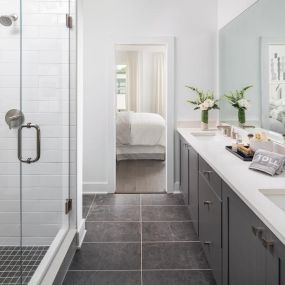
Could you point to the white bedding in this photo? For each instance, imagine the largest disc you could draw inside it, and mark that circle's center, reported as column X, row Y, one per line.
column 146, row 129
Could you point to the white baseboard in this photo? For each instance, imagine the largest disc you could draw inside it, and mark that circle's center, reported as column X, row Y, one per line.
column 177, row 186
column 81, row 232
column 97, row 187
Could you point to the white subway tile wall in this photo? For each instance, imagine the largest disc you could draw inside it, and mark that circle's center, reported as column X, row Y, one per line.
column 35, row 193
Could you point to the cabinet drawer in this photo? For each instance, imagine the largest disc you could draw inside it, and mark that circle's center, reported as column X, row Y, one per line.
column 210, row 227
column 211, row 176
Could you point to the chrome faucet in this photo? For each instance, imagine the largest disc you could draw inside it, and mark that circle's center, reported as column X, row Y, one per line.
column 226, row 129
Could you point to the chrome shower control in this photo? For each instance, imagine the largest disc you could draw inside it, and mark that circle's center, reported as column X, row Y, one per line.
column 14, row 118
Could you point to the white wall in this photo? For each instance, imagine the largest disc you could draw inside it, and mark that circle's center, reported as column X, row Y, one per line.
column 230, row 9
column 195, row 30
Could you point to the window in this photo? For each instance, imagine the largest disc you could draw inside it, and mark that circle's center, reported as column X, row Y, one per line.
column 121, row 86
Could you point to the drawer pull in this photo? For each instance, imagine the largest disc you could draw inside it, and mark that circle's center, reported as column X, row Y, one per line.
column 257, row 231
column 268, row 244
column 208, row 243
column 207, row 172
column 208, row 203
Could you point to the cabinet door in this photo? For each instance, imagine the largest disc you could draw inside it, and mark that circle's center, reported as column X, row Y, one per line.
column 184, row 170
column 275, row 259
column 243, row 253
column 210, row 226
column 193, row 187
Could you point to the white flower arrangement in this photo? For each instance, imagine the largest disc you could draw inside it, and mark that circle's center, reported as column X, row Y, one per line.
column 237, row 99
column 243, row 103
column 205, row 101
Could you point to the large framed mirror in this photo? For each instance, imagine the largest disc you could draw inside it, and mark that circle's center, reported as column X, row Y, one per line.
column 252, row 52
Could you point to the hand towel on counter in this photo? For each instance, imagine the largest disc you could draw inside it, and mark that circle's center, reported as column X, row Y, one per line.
column 269, row 162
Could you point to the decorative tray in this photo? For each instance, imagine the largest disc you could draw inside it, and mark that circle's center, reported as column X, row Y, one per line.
column 239, row 154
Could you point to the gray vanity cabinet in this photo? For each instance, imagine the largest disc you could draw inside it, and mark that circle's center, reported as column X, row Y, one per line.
column 193, row 170
column 275, row 259
column 184, row 179
column 244, row 253
column 210, row 216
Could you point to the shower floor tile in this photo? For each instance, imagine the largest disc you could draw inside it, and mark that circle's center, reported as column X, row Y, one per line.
column 18, row 264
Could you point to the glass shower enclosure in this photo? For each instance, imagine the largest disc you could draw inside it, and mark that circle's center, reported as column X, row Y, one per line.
column 37, row 134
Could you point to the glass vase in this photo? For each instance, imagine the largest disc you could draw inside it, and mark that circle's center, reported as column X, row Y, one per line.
column 204, row 120
column 241, row 117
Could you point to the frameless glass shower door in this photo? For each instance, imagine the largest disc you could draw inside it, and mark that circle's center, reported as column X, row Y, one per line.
column 35, row 132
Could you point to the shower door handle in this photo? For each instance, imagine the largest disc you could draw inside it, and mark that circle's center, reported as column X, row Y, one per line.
column 29, row 160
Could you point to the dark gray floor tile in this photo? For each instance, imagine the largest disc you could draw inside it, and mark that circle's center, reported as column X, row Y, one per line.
column 173, row 256
column 107, row 256
column 163, row 199
column 114, row 213
column 168, row 231
column 165, row 213
column 193, row 277
column 87, row 199
column 117, row 199
column 85, row 212
column 103, row 278
column 113, row 232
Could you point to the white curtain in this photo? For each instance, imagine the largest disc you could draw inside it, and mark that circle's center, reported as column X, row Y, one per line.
column 159, row 83
column 133, row 81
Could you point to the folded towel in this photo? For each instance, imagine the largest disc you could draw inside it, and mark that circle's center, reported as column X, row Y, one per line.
column 268, row 162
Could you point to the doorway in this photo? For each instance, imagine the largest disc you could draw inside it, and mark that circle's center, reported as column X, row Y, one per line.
column 141, row 118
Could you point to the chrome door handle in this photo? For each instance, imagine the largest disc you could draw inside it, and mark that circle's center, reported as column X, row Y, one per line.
column 29, row 160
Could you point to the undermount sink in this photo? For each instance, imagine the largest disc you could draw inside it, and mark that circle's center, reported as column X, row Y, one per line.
column 276, row 196
column 209, row 133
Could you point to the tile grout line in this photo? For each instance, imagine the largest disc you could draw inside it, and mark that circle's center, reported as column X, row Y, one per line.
column 150, row 270
column 145, row 242
column 141, row 227
column 90, row 207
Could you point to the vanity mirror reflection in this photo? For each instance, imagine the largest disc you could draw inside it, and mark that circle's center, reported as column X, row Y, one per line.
column 252, row 52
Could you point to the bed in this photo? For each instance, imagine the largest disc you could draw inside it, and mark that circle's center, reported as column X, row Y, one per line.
column 140, row 136
column 277, row 115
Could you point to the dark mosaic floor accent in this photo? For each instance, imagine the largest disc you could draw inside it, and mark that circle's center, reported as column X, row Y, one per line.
column 18, row 264
column 136, row 239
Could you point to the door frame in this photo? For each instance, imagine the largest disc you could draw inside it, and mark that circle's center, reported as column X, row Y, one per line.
column 169, row 43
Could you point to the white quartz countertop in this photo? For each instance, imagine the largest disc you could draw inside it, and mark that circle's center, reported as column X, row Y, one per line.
column 244, row 182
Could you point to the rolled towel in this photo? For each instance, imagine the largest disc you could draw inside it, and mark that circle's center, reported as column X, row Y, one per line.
column 269, row 162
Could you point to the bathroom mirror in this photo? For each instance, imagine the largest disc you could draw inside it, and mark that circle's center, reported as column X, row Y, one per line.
column 252, row 52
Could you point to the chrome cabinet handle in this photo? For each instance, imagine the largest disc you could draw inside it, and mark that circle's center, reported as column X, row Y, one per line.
column 206, row 172
column 268, row 244
column 208, row 243
column 29, row 160
column 257, row 231
column 208, row 203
